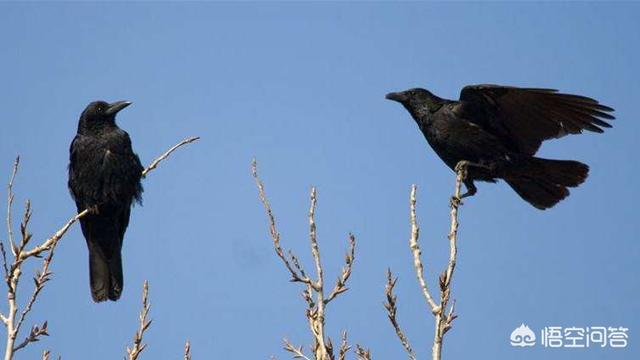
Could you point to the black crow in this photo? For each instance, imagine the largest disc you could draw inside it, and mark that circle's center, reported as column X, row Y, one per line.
column 498, row 129
column 104, row 176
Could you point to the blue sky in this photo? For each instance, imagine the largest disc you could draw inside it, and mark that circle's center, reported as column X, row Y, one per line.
column 301, row 87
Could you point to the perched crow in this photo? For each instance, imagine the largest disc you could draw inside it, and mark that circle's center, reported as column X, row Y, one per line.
column 498, row 129
column 104, row 175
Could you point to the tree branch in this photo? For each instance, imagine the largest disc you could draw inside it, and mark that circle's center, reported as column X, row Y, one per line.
column 392, row 310
column 10, row 197
column 154, row 163
column 341, row 283
column 443, row 317
column 362, row 353
column 314, row 292
column 415, row 250
column 187, row 350
column 275, row 235
column 138, row 346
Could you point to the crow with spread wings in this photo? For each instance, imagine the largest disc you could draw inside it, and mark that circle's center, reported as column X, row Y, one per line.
column 498, row 130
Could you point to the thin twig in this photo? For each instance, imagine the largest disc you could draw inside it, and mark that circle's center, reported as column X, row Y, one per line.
column 187, row 350
column 349, row 257
column 34, row 335
column 317, row 318
column 157, row 161
column 314, row 291
column 362, row 353
column 275, row 235
column 415, row 250
column 444, row 321
column 138, row 346
column 392, row 310
column 443, row 318
column 344, row 347
column 297, row 352
column 4, row 262
column 10, row 197
column 39, row 280
column 51, row 242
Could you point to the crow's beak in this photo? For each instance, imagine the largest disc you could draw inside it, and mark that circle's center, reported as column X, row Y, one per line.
column 395, row 96
column 117, row 106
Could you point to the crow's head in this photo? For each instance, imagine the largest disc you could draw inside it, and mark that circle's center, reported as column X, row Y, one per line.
column 419, row 102
column 416, row 97
column 100, row 114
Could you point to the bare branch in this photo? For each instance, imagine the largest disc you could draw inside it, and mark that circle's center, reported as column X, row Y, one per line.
column 362, row 353
column 313, row 239
column 415, row 250
column 51, row 242
column 297, row 264
column 4, row 262
column 154, row 163
column 10, row 197
column 341, row 283
column 443, row 318
column 297, row 352
column 275, row 235
column 187, row 350
column 392, row 310
column 313, row 294
column 344, row 347
column 25, row 235
column 138, row 346
column 316, row 320
column 39, row 280
column 34, row 335
column 444, row 321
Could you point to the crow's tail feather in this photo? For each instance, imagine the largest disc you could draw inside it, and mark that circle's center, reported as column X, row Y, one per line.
column 543, row 183
column 105, row 275
column 117, row 281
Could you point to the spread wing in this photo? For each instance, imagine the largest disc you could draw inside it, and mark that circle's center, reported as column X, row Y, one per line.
column 524, row 117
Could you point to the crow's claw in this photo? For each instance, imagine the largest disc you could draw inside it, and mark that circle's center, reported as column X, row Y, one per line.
column 455, row 202
column 468, row 193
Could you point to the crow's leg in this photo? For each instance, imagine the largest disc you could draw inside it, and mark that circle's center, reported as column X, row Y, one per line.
column 480, row 168
column 465, row 165
column 471, row 188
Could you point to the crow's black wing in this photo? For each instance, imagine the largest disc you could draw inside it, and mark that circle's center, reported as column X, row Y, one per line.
column 121, row 170
column 80, row 149
column 524, row 117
